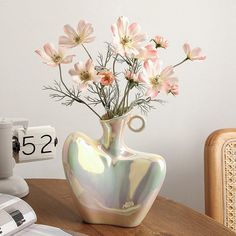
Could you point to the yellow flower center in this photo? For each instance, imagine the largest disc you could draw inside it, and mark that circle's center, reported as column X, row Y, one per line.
column 189, row 56
column 78, row 39
column 154, row 81
column 56, row 58
column 85, row 76
column 126, row 41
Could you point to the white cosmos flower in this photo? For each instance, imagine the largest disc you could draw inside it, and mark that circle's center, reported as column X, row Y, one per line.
column 147, row 52
column 73, row 37
column 156, row 78
column 84, row 73
column 127, row 38
column 53, row 57
column 193, row 54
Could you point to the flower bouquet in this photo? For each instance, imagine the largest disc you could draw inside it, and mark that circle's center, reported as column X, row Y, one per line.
column 112, row 183
column 97, row 81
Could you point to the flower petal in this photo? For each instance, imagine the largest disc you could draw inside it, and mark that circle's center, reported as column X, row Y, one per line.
column 152, row 92
column 67, row 59
column 202, row 58
column 73, row 72
column 140, row 37
column 66, row 42
column 87, row 29
column 134, row 28
column 51, row 63
column 196, row 52
column 122, row 25
column 157, row 66
column 81, row 25
column 70, row 32
column 79, row 66
column 83, row 86
column 50, row 49
column 89, row 64
column 89, row 39
column 167, row 72
column 43, row 55
column 186, row 48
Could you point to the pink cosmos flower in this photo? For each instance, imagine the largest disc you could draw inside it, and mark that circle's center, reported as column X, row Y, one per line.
column 155, row 77
column 147, row 52
column 83, row 74
column 174, row 89
column 135, row 77
column 193, row 54
column 53, row 57
column 171, row 87
column 76, row 37
column 160, row 41
column 127, row 38
column 107, row 78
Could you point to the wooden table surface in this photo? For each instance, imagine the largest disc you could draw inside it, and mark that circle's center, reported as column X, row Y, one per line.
column 51, row 199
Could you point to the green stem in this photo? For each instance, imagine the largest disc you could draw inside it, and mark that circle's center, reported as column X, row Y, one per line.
column 122, row 102
column 109, row 101
column 135, row 66
column 60, row 72
column 104, row 102
column 87, row 52
column 126, row 92
column 92, row 110
column 116, row 82
column 126, row 60
column 98, row 92
column 127, row 98
column 105, row 99
column 107, row 58
column 72, row 95
column 178, row 64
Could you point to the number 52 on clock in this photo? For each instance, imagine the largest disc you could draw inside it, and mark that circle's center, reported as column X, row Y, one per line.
column 35, row 143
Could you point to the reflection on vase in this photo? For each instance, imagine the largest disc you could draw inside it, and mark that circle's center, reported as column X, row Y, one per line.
column 112, row 184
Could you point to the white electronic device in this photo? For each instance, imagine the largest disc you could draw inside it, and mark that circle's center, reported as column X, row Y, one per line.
column 18, row 218
column 25, row 144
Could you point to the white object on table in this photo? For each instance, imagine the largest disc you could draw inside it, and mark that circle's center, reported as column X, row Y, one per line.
column 36, row 143
column 18, row 218
column 24, row 144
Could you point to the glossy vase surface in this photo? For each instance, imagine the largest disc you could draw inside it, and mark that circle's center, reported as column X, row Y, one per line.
column 112, row 184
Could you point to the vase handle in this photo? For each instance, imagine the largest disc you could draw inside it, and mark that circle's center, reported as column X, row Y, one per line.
column 142, row 125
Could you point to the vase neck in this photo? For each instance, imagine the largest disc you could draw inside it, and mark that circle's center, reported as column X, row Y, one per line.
column 113, row 130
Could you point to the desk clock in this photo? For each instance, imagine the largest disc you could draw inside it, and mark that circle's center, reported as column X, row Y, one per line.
column 21, row 143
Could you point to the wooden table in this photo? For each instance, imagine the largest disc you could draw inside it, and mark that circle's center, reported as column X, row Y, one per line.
column 51, row 199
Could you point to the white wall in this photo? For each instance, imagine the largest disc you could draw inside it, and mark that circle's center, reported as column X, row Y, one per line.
column 177, row 130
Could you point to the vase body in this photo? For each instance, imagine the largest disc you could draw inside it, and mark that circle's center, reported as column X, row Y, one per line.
column 112, row 184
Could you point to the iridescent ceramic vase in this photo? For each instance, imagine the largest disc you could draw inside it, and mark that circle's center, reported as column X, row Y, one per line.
column 112, row 183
